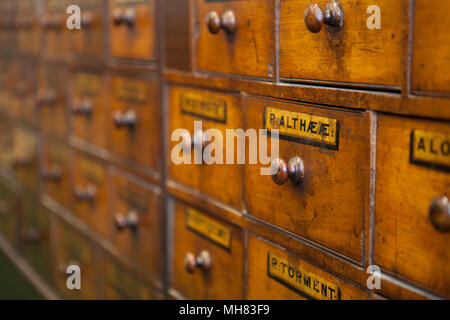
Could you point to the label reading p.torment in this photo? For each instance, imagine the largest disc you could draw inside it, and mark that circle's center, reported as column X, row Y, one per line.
column 303, row 128
column 430, row 148
column 208, row 227
column 300, row 280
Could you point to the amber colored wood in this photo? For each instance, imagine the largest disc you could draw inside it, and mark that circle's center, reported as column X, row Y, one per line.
column 208, row 179
column 142, row 244
column 224, row 280
column 140, row 144
column 249, row 50
column 324, row 208
column 261, row 286
column 354, row 54
column 57, row 40
column 25, row 157
column 139, row 41
column 406, row 243
column 90, row 87
column 28, row 33
column 88, row 170
column 431, row 47
column 9, row 217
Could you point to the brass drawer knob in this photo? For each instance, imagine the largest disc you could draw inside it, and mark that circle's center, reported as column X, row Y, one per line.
column 332, row 15
column 127, row 17
column 86, row 20
column 130, row 220
column 31, row 235
column 127, row 119
column 227, row 22
column 202, row 261
column 53, row 173
column 46, row 97
column 87, row 193
column 281, row 171
column 440, row 214
column 83, row 108
column 197, row 140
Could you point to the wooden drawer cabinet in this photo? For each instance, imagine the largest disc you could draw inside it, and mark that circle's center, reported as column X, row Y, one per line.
column 25, row 157
column 352, row 53
column 135, row 217
column 132, row 28
column 88, row 108
column 55, row 171
column 215, row 110
column 134, row 123
column 412, row 227
column 207, row 256
column 236, row 37
column 88, row 41
column 274, row 273
column 71, row 248
column 90, row 192
column 431, row 48
column 330, row 149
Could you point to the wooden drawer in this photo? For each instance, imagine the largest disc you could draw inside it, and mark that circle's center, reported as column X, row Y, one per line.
column 329, row 205
column 247, row 48
column 352, row 54
column 215, row 110
column 27, row 27
column 135, row 122
column 57, row 37
column 122, row 284
column 55, row 171
column 431, row 47
column 212, row 251
column 88, row 41
column 274, row 273
column 135, row 214
column 410, row 156
column 88, row 108
column 90, row 193
column 6, row 143
column 132, row 28
column 71, row 248
column 34, row 236
column 8, row 213
column 51, row 101
column 25, row 158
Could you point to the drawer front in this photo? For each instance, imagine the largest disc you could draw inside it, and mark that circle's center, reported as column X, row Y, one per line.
column 88, row 109
column 431, row 47
column 51, row 101
column 412, row 227
column 207, row 256
column 215, row 110
column 353, row 53
column 132, row 28
column 57, row 37
column 27, row 27
column 90, row 193
column 72, row 249
column 236, row 37
column 276, row 274
column 332, row 152
column 122, row 284
column 55, row 171
column 135, row 216
column 34, row 237
column 134, row 123
column 88, row 41
column 25, row 159
column 8, row 213
column 6, row 143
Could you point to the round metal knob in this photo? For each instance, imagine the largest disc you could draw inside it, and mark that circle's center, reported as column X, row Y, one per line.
column 53, row 173
column 83, row 108
column 332, row 15
column 202, row 261
column 440, row 214
column 130, row 220
column 279, row 170
column 31, row 235
column 127, row 119
column 86, row 20
column 127, row 17
column 190, row 262
column 228, row 21
column 46, row 97
column 294, row 170
column 213, row 22
column 87, row 193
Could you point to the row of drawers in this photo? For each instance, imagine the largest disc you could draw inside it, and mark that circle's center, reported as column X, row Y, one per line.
column 131, row 25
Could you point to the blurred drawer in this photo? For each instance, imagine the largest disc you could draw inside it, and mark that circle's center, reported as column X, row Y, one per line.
column 6, row 143
column 353, row 53
column 89, row 111
column 90, row 193
column 431, row 47
column 55, row 171
column 27, row 27
column 51, row 101
column 56, row 36
column 412, row 219
column 34, row 237
column 132, row 29
column 135, row 122
column 88, row 41
column 8, row 213
column 136, row 215
column 71, row 248
column 211, row 110
column 329, row 152
column 122, row 284
column 274, row 273
column 208, row 256
column 25, row 157
column 236, row 37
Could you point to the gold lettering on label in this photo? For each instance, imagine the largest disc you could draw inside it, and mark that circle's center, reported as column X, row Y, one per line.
column 208, row 227
column 131, row 90
column 204, row 106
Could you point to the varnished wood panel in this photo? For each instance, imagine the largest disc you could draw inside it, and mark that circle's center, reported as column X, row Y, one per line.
column 25, row 157
column 88, row 40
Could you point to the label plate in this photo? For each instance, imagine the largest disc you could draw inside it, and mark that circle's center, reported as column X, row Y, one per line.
column 430, row 149
column 203, row 106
